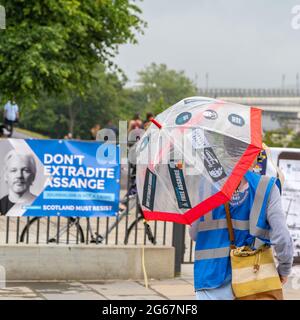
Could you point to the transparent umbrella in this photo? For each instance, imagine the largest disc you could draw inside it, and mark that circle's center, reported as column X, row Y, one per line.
column 193, row 157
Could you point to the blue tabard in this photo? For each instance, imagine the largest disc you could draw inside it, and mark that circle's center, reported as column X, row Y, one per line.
column 248, row 214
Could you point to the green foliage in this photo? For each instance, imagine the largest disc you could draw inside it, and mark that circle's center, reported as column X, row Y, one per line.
column 55, row 116
column 295, row 143
column 53, row 46
column 163, row 87
column 281, row 138
column 106, row 99
column 56, row 59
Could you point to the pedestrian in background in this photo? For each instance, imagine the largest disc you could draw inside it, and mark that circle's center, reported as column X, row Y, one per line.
column 94, row 130
column 147, row 122
column 68, row 136
column 135, row 123
column 11, row 115
column 112, row 127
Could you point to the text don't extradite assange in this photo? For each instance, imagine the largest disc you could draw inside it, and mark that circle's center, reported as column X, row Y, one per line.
column 67, row 171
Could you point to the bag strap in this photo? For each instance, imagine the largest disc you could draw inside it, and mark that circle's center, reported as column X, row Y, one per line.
column 229, row 225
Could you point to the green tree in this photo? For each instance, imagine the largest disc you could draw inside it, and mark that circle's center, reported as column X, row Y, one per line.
column 295, row 142
column 105, row 100
column 163, row 87
column 52, row 46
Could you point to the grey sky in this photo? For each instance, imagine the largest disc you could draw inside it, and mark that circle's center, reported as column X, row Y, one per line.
column 241, row 43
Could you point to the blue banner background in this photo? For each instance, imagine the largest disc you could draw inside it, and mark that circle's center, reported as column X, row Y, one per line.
column 72, row 201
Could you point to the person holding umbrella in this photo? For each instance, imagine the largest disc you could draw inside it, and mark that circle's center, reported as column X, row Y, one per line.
column 212, row 269
column 194, row 167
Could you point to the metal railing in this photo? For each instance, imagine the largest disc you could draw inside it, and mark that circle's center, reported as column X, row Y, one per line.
column 125, row 229
column 59, row 231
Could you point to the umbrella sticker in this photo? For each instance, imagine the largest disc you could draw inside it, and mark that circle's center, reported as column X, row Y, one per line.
column 212, row 165
column 179, row 186
column 198, row 139
column 183, row 118
column 149, row 190
column 237, row 120
column 210, row 114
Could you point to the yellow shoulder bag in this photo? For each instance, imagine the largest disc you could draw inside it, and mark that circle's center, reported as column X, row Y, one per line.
column 254, row 274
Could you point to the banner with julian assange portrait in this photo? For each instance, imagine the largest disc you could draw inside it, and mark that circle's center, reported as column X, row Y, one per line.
column 59, row 178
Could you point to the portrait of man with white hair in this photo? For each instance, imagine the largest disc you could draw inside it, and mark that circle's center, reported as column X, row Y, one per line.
column 19, row 174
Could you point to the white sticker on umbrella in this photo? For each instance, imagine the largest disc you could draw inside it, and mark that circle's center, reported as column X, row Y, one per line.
column 199, row 140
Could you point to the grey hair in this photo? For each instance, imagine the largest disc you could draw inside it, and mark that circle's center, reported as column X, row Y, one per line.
column 29, row 156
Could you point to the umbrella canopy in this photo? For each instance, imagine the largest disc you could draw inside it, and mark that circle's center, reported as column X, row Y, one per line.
column 193, row 157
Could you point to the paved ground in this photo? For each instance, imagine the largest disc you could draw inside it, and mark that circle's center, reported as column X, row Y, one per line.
column 180, row 288
column 19, row 135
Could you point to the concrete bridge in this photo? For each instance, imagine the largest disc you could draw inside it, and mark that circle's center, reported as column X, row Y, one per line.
column 281, row 107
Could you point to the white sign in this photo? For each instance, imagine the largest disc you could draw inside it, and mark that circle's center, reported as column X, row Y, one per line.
column 288, row 160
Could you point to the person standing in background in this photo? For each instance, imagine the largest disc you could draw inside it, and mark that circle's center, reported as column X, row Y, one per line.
column 111, row 126
column 147, row 122
column 135, row 123
column 94, row 130
column 68, row 136
column 11, row 115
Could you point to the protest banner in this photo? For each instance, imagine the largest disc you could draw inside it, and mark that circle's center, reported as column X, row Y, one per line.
column 59, row 178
